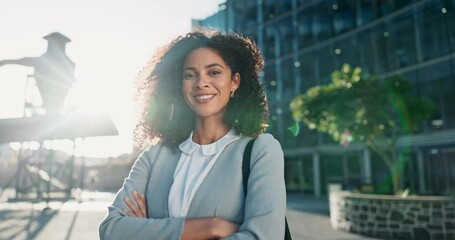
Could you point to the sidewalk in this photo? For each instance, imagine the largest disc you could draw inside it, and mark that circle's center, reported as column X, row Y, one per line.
column 308, row 219
column 69, row 220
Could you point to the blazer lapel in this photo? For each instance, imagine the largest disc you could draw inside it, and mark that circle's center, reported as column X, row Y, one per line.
column 162, row 179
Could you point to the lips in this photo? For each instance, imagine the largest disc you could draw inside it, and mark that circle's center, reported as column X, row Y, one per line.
column 203, row 98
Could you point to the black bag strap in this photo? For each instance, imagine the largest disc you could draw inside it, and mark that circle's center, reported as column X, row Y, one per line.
column 246, row 165
column 246, row 174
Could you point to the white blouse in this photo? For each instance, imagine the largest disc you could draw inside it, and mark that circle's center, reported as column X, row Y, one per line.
column 194, row 164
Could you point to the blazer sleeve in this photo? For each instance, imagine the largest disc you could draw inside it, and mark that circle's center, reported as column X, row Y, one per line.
column 265, row 203
column 117, row 225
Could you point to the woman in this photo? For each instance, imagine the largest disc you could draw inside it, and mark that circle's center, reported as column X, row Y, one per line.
column 203, row 103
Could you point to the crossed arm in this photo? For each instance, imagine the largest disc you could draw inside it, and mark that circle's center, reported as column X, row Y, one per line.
column 196, row 228
column 265, row 204
column 128, row 215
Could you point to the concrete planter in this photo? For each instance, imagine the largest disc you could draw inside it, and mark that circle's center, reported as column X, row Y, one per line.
column 394, row 217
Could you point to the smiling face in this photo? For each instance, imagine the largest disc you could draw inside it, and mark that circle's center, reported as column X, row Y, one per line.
column 207, row 83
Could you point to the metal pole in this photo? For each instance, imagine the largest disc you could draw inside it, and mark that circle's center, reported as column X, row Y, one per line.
column 316, row 174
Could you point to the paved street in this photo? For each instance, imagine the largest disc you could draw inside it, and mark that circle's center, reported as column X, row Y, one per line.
column 69, row 220
column 309, row 219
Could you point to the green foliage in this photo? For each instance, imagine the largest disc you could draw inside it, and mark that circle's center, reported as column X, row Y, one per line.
column 366, row 106
column 360, row 107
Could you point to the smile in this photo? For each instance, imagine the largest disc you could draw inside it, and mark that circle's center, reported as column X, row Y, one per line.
column 205, row 97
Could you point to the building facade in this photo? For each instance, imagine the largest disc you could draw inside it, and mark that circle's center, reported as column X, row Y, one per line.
column 304, row 41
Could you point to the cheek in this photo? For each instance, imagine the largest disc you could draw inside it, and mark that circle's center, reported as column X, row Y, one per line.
column 186, row 88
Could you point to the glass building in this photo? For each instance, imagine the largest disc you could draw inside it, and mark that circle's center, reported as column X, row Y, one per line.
column 304, row 41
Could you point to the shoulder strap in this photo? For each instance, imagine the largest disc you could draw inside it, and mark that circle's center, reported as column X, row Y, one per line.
column 246, row 165
column 246, row 174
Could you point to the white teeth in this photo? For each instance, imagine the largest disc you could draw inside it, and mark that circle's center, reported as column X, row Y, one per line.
column 204, row 97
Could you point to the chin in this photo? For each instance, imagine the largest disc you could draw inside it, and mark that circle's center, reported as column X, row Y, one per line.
column 206, row 114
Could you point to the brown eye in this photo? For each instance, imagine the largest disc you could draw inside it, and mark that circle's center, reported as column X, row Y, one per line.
column 189, row 75
column 214, row 73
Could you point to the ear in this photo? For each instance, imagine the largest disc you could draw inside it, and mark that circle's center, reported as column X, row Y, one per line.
column 235, row 81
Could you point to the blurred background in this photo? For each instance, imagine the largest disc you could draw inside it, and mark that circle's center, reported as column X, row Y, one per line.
column 105, row 45
column 66, row 97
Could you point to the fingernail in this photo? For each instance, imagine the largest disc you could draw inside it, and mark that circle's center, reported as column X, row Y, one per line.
column 142, row 195
column 127, row 199
column 134, row 192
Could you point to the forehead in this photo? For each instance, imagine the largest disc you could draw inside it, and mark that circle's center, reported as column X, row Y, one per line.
column 204, row 56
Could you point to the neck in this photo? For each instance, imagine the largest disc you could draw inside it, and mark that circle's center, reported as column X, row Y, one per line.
column 208, row 131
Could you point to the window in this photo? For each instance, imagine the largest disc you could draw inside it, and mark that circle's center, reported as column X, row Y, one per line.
column 402, row 41
column 365, row 12
column 270, row 36
column 436, row 82
column 346, row 51
column 288, row 78
column 433, row 28
column 270, row 81
column 278, row 38
column 286, row 35
column 325, row 63
column 343, row 16
column 368, row 51
column 309, row 76
column 272, row 8
column 304, row 28
column 321, row 23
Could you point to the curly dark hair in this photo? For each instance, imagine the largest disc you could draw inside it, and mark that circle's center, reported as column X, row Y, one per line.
column 164, row 114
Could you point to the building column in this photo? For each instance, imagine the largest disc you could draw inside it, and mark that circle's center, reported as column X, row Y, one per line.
column 295, row 48
column 366, row 165
column 345, row 170
column 279, row 86
column 260, row 29
column 316, row 174
column 230, row 21
column 421, row 170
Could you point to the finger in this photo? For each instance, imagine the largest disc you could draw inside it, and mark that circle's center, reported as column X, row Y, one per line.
column 140, row 202
column 135, row 210
column 145, row 203
column 128, row 213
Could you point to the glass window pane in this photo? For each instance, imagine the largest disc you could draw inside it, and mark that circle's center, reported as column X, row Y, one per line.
column 346, row 51
column 308, row 71
column 288, row 78
column 270, row 36
column 433, row 30
column 402, row 41
column 304, row 28
column 365, row 12
column 343, row 16
column 286, row 35
column 325, row 63
column 270, row 81
column 321, row 23
column 368, row 51
column 382, row 49
column 436, row 82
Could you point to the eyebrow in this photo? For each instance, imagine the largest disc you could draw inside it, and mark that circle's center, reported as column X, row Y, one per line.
column 208, row 66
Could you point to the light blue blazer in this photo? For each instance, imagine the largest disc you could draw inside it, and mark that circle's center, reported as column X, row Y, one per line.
column 260, row 215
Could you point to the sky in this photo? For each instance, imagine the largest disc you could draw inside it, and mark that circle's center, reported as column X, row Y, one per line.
column 111, row 40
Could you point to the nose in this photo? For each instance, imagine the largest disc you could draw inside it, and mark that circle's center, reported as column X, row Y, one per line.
column 202, row 82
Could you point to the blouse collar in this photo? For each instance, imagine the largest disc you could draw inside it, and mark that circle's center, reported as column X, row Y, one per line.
column 189, row 147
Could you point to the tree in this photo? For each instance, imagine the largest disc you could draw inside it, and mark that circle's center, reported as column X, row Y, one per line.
column 360, row 107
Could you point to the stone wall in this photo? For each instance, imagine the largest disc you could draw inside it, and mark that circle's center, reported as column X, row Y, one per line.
column 394, row 217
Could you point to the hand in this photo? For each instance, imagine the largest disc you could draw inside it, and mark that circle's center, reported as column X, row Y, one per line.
column 208, row 228
column 136, row 211
column 224, row 228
